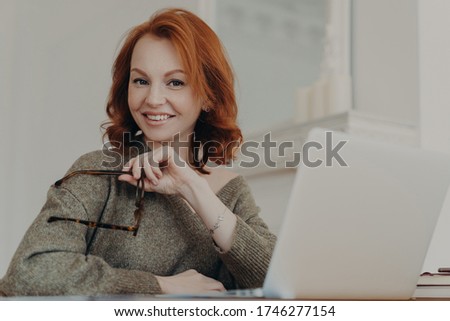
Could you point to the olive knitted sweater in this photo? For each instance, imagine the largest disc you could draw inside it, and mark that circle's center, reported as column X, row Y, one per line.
column 67, row 258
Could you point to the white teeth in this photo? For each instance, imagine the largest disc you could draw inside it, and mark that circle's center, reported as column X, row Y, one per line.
column 158, row 117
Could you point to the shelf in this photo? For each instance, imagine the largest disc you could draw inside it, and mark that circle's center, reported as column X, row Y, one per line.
column 293, row 136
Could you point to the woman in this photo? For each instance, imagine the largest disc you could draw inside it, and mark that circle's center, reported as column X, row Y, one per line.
column 196, row 225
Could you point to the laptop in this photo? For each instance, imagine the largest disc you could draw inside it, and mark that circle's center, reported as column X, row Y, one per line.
column 358, row 227
column 359, row 231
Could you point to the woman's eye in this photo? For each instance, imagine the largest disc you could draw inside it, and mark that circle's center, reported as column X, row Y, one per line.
column 176, row 83
column 140, row 81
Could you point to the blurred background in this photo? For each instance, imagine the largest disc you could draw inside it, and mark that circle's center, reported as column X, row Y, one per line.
column 377, row 68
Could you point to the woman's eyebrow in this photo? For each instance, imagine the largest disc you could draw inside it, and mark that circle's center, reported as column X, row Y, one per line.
column 169, row 73
column 139, row 71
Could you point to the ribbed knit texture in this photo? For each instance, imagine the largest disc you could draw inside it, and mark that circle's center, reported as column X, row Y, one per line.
column 54, row 258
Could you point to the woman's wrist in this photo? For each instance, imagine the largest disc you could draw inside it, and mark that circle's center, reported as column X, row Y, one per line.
column 193, row 188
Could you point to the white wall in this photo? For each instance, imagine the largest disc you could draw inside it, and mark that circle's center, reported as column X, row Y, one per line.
column 434, row 68
column 271, row 191
column 276, row 47
column 434, row 74
column 385, row 59
column 6, row 54
column 55, row 63
column 401, row 73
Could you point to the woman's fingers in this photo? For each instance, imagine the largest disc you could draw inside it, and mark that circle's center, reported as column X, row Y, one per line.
column 132, row 168
column 160, row 159
column 128, row 179
column 164, row 170
column 149, row 162
column 151, row 168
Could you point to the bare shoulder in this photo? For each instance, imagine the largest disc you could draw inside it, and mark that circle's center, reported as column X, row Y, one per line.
column 219, row 177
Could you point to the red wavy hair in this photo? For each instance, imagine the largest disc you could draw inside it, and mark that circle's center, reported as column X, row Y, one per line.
column 216, row 134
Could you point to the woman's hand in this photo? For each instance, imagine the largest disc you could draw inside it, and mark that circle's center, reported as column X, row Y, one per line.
column 166, row 172
column 189, row 281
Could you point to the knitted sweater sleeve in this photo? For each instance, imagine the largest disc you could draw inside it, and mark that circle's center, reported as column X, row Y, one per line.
column 253, row 243
column 52, row 260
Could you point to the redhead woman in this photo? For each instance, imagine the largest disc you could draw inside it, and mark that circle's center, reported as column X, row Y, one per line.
column 156, row 212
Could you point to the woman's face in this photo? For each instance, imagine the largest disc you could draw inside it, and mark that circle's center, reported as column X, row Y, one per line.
column 161, row 100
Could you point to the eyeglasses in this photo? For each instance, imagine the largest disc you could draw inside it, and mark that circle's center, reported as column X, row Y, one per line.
column 138, row 202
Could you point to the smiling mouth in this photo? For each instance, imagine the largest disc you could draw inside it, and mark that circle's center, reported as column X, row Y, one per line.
column 158, row 117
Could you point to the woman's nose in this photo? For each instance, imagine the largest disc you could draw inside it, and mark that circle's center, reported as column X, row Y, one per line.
column 155, row 96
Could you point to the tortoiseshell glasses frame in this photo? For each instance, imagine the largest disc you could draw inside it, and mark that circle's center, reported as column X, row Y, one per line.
column 138, row 202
